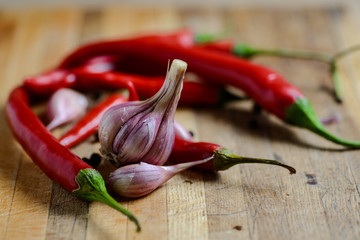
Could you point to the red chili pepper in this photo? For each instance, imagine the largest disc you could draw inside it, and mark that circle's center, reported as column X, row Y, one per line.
column 262, row 84
column 89, row 123
column 81, row 79
column 55, row 160
column 265, row 86
column 183, row 38
column 193, row 94
column 47, row 83
column 99, row 75
column 189, row 151
column 51, row 81
column 221, row 46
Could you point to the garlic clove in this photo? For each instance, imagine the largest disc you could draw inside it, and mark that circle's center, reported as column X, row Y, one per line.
column 137, row 180
column 64, row 106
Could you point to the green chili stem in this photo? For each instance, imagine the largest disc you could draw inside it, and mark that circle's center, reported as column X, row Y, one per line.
column 302, row 114
column 345, row 52
column 294, row 54
column 92, row 188
column 339, row 94
column 224, row 159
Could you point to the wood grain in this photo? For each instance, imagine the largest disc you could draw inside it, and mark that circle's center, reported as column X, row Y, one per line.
column 31, row 194
column 322, row 201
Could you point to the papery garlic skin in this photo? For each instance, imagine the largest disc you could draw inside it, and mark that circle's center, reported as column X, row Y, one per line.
column 64, row 106
column 143, row 131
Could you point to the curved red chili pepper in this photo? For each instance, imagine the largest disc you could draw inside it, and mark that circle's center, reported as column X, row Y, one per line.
column 183, row 38
column 51, row 81
column 55, row 160
column 193, row 93
column 265, row 86
column 99, row 75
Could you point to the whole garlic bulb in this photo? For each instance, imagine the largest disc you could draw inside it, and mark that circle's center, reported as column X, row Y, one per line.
column 143, row 131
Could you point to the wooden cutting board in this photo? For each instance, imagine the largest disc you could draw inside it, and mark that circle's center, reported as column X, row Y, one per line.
column 322, row 201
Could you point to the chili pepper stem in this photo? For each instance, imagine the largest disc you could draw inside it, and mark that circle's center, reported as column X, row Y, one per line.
column 205, row 38
column 246, row 51
column 302, row 114
column 338, row 91
column 346, row 51
column 224, row 159
column 92, row 188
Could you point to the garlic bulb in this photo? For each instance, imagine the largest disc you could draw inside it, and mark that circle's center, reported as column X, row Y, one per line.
column 143, row 131
column 64, row 106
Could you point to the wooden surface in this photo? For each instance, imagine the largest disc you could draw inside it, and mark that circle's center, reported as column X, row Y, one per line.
column 322, row 201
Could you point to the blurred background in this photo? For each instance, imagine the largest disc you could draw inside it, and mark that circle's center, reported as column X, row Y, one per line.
column 248, row 202
column 183, row 3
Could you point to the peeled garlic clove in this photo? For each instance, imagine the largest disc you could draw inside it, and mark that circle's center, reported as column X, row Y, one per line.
column 64, row 106
column 137, row 180
column 143, row 131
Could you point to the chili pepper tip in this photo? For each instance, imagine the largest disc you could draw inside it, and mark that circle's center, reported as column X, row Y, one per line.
column 92, row 188
column 302, row 114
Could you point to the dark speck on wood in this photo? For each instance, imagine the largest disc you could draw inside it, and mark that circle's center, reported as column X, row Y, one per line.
column 238, row 227
column 188, row 181
column 311, row 179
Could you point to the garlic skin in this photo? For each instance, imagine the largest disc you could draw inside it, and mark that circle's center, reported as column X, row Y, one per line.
column 143, row 131
column 64, row 106
column 137, row 180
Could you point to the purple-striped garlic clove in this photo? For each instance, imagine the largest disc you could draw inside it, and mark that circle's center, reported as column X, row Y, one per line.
column 137, row 180
column 64, row 106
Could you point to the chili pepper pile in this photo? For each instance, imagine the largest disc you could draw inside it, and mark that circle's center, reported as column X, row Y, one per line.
column 138, row 65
